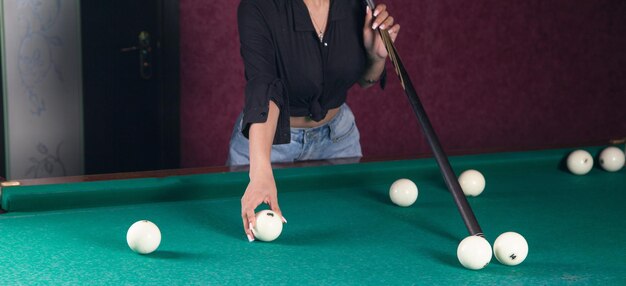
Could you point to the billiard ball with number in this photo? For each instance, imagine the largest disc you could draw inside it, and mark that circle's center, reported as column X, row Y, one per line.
column 269, row 225
column 579, row 162
column 612, row 159
column 510, row 248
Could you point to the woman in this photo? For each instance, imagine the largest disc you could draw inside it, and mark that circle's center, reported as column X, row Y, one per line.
column 301, row 57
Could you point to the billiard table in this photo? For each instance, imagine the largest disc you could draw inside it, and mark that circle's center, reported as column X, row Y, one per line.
column 342, row 228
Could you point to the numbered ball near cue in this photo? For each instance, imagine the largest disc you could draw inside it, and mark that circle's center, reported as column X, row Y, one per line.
column 510, row 248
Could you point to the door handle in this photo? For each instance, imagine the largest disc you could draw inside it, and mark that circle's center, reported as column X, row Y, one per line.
column 144, row 47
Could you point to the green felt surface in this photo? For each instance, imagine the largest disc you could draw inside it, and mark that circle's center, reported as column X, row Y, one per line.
column 342, row 228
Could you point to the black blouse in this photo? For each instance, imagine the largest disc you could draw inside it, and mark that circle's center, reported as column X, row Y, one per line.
column 286, row 62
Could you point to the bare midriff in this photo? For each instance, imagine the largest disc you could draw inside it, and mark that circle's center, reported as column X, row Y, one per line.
column 307, row 122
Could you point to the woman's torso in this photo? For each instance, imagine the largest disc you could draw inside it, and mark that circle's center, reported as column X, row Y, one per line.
column 317, row 74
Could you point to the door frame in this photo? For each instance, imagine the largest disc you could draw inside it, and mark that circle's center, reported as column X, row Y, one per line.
column 170, row 83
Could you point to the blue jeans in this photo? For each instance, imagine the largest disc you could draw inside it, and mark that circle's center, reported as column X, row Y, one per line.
column 338, row 138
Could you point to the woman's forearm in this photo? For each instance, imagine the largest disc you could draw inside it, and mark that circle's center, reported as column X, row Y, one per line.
column 261, row 137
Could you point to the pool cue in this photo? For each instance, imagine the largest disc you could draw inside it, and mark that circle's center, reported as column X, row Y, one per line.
column 442, row 160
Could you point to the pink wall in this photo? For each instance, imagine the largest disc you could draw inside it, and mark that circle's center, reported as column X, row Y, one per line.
column 491, row 75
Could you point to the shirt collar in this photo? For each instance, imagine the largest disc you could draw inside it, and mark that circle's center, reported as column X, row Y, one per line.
column 302, row 19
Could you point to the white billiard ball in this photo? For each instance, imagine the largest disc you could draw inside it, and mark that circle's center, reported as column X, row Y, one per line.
column 612, row 159
column 579, row 162
column 472, row 183
column 510, row 248
column 403, row 192
column 474, row 252
column 268, row 227
column 143, row 237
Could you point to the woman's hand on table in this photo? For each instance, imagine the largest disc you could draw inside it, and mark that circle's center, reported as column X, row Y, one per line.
column 261, row 189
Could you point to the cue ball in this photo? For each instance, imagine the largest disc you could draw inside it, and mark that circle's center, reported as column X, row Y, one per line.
column 510, row 248
column 143, row 237
column 474, row 252
column 579, row 162
column 612, row 159
column 403, row 192
column 268, row 227
column 472, row 183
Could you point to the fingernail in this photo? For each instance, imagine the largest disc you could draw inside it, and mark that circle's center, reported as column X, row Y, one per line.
column 367, row 9
column 374, row 26
column 284, row 220
column 382, row 27
column 376, row 13
column 250, row 238
column 250, row 226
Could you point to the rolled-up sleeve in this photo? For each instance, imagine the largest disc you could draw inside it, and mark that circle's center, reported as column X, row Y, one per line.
column 262, row 78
